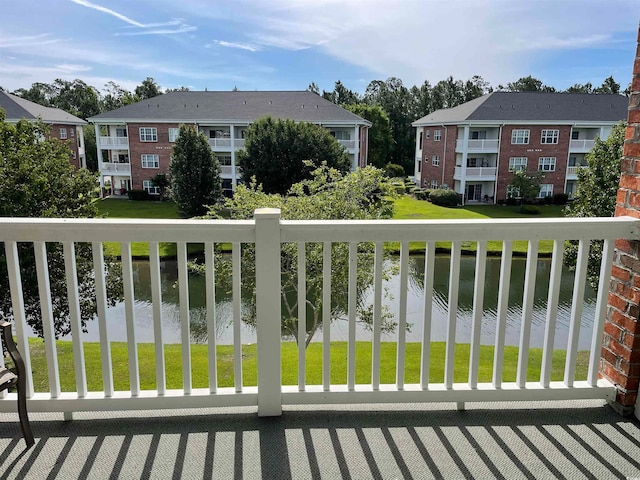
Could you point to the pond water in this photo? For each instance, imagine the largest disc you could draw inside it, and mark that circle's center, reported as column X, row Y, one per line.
column 171, row 326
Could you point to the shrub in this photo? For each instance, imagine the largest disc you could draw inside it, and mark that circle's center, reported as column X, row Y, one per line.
column 428, row 193
column 548, row 200
column 529, row 209
column 560, row 199
column 138, row 195
column 399, row 188
column 420, row 194
column 408, row 186
column 512, row 202
column 392, row 170
column 444, row 198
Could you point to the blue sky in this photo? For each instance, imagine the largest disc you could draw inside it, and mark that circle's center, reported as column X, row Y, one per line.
column 287, row 44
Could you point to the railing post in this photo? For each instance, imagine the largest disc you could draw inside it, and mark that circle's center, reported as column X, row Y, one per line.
column 268, row 311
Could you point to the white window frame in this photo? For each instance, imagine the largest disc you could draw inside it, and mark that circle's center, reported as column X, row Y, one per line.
column 173, row 134
column 548, row 190
column 435, row 160
column 150, row 160
column 63, row 133
column 513, row 192
column 547, row 164
column 72, row 132
column 420, row 137
column 517, row 163
column 219, row 155
column 479, row 135
column 549, row 136
column 150, row 188
column 122, row 131
column 520, row 136
column 148, row 134
column 434, row 184
column 437, row 135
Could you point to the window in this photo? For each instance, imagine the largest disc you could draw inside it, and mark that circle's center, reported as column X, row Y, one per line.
column 121, row 132
column 520, row 137
column 213, row 133
column 63, row 133
column 546, row 190
column 434, row 184
column 150, row 188
column 419, row 165
column 173, row 134
column 420, row 141
column 479, row 135
column 150, row 160
column 513, row 192
column 224, row 159
column 575, row 135
column 475, row 162
column 428, row 133
column 549, row 136
column 72, row 132
column 341, row 134
column 547, row 164
column 148, row 134
column 435, row 161
column 437, row 134
column 517, row 163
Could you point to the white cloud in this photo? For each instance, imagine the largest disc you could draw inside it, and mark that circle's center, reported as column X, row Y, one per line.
column 108, row 11
column 238, row 45
column 13, row 41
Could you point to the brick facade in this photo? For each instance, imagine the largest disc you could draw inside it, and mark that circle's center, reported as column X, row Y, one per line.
column 620, row 359
column 162, row 147
column 72, row 137
column 445, row 149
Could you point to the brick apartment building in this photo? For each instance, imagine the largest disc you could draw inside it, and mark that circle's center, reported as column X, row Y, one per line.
column 474, row 148
column 63, row 125
column 135, row 142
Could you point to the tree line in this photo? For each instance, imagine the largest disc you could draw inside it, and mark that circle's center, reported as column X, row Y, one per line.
column 390, row 105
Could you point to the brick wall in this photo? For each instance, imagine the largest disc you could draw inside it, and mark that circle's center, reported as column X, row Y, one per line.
column 445, row 148
column 620, row 359
column 71, row 140
column 533, row 151
column 162, row 148
column 362, row 147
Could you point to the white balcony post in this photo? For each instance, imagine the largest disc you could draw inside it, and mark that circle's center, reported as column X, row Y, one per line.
column 268, row 311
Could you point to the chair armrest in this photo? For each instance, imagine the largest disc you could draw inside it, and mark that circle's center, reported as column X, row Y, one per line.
column 11, row 347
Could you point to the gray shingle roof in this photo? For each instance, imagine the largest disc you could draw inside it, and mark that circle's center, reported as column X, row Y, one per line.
column 240, row 106
column 18, row 108
column 534, row 106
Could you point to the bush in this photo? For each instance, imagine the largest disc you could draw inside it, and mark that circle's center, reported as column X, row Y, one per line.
column 399, row 188
column 420, row 194
column 548, row 200
column 560, row 199
column 444, row 198
column 138, row 195
column 529, row 209
column 512, row 202
column 428, row 193
column 393, row 170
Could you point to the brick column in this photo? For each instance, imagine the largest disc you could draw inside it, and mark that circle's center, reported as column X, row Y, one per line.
column 620, row 363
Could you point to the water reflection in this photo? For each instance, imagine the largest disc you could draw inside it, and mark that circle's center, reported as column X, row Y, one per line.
column 224, row 331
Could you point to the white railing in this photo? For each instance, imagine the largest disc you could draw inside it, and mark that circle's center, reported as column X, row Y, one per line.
column 478, row 145
column 268, row 232
column 226, row 169
column 476, row 171
column 350, row 144
column 119, row 168
column 574, row 170
column 238, row 142
column 113, row 142
column 581, row 144
column 220, row 142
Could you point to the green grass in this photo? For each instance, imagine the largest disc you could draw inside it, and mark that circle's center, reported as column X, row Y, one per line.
column 117, row 208
column 225, row 366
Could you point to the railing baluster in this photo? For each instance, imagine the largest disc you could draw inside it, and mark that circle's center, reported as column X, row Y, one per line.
column 527, row 309
column 71, row 275
column 101, row 304
column 326, row 316
column 237, row 315
column 454, row 278
column 601, row 310
column 183, row 281
column 302, row 316
column 429, row 267
column 156, row 299
column 129, row 308
column 576, row 312
column 478, row 307
column 210, row 288
column 44, row 291
column 402, row 321
column 552, row 312
column 503, row 306
column 377, row 316
column 353, row 298
column 17, row 303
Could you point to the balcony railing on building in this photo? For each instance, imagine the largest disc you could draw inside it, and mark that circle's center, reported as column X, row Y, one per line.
column 475, row 172
column 573, row 170
column 118, row 168
column 109, row 143
column 581, row 145
column 487, row 144
column 268, row 233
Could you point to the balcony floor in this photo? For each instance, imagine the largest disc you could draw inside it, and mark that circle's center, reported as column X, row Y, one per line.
column 579, row 439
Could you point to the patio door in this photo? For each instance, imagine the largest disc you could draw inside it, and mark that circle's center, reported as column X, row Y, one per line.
column 473, row 192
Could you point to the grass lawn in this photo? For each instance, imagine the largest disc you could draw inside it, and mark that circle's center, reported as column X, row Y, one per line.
column 173, row 364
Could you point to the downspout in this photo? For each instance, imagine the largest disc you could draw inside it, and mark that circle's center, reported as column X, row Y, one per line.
column 444, row 153
column 495, row 183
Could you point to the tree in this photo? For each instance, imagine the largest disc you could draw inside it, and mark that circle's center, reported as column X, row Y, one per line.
column 90, row 151
column 313, row 87
column 580, row 88
column 326, row 195
column 39, row 93
column 275, row 153
column 37, row 180
column 526, row 186
column 380, row 138
column 116, row 97
column 195, row 173
column 179, row 89
column 528, row 84
column 76, row 97
column 162, row 182
column 609, row 86
column 148, row 89
column 341, row 95
column 596, row 193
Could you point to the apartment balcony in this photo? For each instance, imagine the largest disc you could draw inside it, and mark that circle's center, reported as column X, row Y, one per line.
column 417, row 433
column 475, row 173
column 238, row 142
column 226, row 170
column 109, row 168
column 220, row 143
column 113, row 143
column 572, row 172
column 581, row 146
column 489, row 145
column 348, row 144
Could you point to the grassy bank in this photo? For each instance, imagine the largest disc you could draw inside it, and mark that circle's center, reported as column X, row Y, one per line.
column 173, row 364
